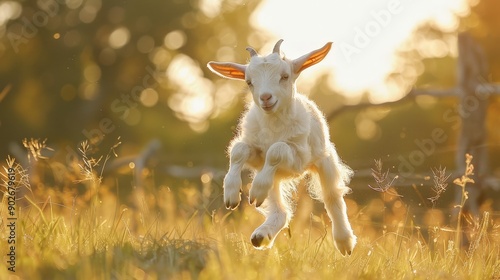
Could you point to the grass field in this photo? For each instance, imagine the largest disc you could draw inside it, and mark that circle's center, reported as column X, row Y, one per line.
column 88, row 227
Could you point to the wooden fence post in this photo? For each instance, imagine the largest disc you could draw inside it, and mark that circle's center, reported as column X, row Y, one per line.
column 472, row 71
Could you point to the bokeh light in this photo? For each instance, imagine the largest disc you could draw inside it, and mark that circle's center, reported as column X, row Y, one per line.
column 92, row 73
column 193, row 102
column 149, row 97
column 9, row 10
column 175, row 39
column 119, row 37
column 145, row 44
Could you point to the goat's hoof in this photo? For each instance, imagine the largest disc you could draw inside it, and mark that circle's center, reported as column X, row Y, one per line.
column 346, row 245
column 230, row 206
column 252, row 200
column 232, row 192
column 261, row 186
column 261, row 241
column 258, row 195
column 257, row 240
column 258, row 203
column 232, row 202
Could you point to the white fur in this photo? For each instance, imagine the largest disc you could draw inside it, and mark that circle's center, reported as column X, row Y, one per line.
column 282, row 136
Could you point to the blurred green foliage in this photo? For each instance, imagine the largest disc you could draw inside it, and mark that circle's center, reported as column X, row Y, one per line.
column 86, row 69
column 78, row 69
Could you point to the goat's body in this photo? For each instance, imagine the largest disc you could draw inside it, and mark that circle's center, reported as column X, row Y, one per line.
column 304, row 130
column 294, row 127
column 282, row 136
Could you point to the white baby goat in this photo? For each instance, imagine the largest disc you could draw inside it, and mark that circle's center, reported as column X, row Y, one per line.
column 282, row 136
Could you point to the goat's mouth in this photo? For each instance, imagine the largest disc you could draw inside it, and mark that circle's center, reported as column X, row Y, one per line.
column 268, row 107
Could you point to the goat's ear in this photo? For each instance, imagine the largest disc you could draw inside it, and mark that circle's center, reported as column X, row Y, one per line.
column 228, row 69
column 311, row 58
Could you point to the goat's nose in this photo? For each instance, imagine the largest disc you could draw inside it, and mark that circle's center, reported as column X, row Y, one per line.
column 265, row 97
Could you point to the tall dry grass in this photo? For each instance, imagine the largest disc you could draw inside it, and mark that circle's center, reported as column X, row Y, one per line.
column 88, row 226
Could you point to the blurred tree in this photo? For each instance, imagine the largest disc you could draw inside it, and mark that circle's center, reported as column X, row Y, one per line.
column 87, row 69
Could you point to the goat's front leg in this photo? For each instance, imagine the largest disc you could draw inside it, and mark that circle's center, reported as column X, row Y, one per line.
column 239, row 155
column 280, row 155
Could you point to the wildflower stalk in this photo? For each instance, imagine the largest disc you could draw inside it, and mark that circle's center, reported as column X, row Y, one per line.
column 384, row 183
column 462, row 182
column 440, row 183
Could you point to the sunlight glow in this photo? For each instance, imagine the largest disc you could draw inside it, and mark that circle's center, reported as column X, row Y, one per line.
column 193, row 102
column 366, row 36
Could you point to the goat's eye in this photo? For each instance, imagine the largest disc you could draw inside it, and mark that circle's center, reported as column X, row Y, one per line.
column 284, row 77
column 249, row 83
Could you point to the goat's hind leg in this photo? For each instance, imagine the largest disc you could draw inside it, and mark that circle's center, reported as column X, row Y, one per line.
column 331, row 173
column 278, row 214
column 240, row 153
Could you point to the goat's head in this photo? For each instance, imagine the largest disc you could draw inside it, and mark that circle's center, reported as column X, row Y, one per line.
column 271, row 78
